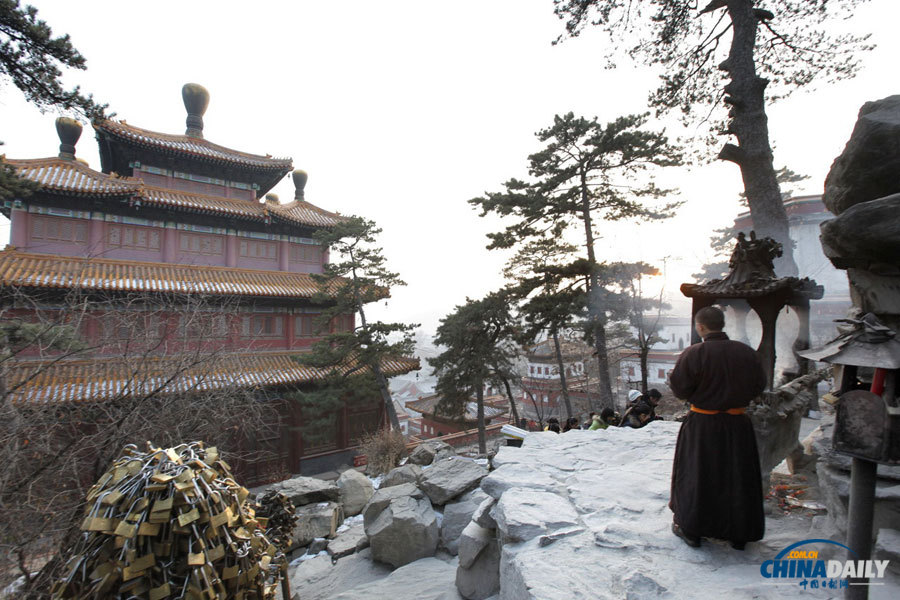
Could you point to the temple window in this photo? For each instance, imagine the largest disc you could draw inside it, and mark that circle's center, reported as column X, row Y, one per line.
column 258, row 249
column 263, row 326
column 305, row 325
column 135, row 238
column 201, row 244
column 58, row 230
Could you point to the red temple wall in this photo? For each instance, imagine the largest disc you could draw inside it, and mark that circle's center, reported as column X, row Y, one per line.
column 120, row 332
column 74, row 236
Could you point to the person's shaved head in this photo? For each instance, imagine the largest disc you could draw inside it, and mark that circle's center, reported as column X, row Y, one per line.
column 711, row 317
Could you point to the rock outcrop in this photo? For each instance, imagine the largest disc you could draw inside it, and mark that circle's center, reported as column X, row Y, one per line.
column 602, row 529
column 450, row 477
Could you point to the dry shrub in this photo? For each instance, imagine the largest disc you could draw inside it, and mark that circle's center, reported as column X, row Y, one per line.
column 383, row 450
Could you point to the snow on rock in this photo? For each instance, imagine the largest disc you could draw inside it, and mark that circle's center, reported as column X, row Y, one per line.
column 604, row 529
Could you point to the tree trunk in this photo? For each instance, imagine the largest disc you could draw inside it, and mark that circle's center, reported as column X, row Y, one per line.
column 595, row 304
column 479, row 396
column 644, row 351
column 381, row 379
column 562, row 375
column 386, row 397
column 512, row 402
column 745, row 94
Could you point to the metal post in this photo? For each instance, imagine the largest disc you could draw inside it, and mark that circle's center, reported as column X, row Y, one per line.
column 859, row 522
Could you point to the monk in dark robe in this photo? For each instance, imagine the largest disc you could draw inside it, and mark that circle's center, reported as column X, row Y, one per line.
column 716, row 479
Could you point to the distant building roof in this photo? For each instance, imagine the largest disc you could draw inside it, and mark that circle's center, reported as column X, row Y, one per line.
column 428, row 406
column 36, row 382
column 545, row 351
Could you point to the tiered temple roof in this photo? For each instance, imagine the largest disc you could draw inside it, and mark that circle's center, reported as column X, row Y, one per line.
column 122, row 144
column 47, row 271
column 58, row 176
column 34, row 382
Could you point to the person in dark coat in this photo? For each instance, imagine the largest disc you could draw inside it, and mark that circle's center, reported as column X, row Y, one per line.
column 716, row 478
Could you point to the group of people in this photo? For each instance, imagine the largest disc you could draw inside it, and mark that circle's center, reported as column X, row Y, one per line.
column 640, row 410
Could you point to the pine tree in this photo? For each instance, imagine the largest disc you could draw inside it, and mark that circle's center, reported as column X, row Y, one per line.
column 585, row 175
column 477, row 350
column 353, row 356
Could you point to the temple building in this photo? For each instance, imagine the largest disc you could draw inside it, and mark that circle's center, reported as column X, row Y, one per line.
column 436, row 424
column 179, row 219
column 541, row 384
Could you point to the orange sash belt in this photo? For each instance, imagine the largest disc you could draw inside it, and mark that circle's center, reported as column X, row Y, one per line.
column 730, row 411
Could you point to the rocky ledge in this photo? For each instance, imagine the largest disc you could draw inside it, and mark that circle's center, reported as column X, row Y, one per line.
column 585, row 515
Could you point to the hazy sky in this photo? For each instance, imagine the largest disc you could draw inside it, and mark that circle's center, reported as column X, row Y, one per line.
column 402, row 111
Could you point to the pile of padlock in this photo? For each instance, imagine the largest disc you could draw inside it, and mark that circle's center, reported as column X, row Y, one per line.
column 280, row 515
column 171, row 523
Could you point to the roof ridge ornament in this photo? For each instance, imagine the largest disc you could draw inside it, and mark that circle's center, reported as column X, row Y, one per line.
column 196, row 99
column 300, row 177
column 68, row 130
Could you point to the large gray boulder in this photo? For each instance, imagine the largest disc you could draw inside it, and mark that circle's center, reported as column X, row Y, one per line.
column 451, row 477
column 355, row 489
column 523, row 514
column 408, row 473
column 457, row 515
column 430, row 451
column 405, row 531
column 383, row 497
column 480, row 578
column 865, row 235
column 867, row 168
column 306, row 490
column 316, row 521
